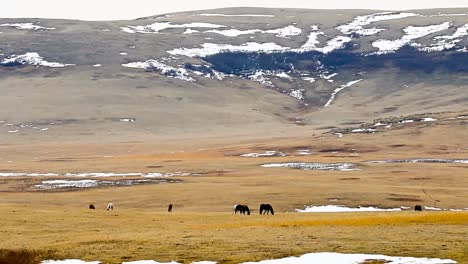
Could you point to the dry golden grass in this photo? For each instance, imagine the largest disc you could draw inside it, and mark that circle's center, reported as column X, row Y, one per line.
column 202, row 226
column 134, row 234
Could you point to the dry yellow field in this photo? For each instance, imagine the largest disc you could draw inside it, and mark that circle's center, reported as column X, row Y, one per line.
column 56, row 224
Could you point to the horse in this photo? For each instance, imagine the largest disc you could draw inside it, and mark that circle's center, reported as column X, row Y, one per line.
column 266, row 209
column 92, row 207
column 241, row 208
column 418, row 207
column 110, row 206
column 169, row 209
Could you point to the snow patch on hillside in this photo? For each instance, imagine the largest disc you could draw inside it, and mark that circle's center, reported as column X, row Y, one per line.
column 241, row 15
column 26, row 26
column 285, row 32
column 159, row 26
column 169, row 71
column 339, row 89
column 411, row 33
column 447, row 42
column 31, row 58
column 208, row 49
column 357, row 25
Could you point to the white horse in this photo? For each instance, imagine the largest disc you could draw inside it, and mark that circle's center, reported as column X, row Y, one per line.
column 110, row 206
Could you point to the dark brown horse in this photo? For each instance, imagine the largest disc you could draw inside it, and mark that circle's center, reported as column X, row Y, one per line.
column 241, row 209
column 266, row 209
column 169, row 209
column 91, row 206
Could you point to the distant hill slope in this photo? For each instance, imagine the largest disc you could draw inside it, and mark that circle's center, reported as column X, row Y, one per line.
column 227, row 73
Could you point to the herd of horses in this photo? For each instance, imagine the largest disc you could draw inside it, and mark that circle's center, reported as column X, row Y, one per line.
column 244, row 209
column 265, row 209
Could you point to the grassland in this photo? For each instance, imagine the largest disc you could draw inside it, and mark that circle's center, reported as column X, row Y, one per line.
column 37, row 224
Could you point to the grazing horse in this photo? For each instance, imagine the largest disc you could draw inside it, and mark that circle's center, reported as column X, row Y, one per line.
column 91, row 206
column 169, row 209
column 110, row 206
column 241, row 208
column 266, row 209
column 418, row 207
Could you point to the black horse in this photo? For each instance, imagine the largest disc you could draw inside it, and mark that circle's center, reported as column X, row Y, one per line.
column 266, row 209
column 241, row 208
column 92, row 207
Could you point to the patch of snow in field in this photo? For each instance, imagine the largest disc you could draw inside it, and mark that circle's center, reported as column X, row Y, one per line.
column 428, row 119
column 411, row 33
column 57, row 184
column 241, row 15
column 313, row 166
column 357, row 25
column 304, row 152
column 298, row 94
column 130, row 120
column 447, row 41
column 158, row 26
column 363, row 130
column 21, row 174
column 123, row 53
column 97, row 65
column 190, row 31
column 339, row 258
column 461, row 161
column 69, row 261
column 13, row 131
column 270, row 153
column 212, row 49
column 339, row 89
column 26, row 26
column 379, row 124
column 169, row 71
column 407, row 121
column 235, row 32
column 342, row 208
column 32, row 58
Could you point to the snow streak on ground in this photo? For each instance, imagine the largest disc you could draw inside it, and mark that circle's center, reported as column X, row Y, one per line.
column 447, row 42
column 208, row 49
column 64, row 184
column 338, row 258
column 357, row 25
column 69, row 261
column 270, row 153
column 313, row 166
column 158, row 26
column 26, row 26
column 459, row 161
column 31, row 58
column 339, row 89
column 21, row 174
column 97, row 174
column 177, row 73
column 285, row 32
column 241, row 15
column 411, row 33
column 342, row 208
